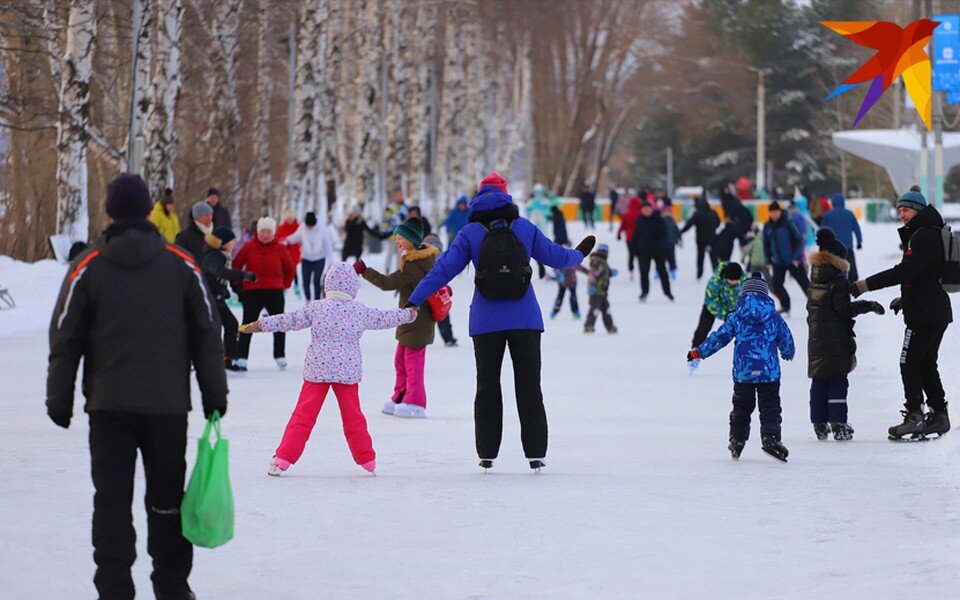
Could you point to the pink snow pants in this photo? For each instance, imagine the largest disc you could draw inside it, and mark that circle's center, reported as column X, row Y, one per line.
column 304, row 417
column 409, row 365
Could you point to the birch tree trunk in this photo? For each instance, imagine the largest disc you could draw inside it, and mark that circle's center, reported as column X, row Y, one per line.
column 368, row 131
column 305, row 168
column 160, row 136
column 73, row 218
column 422, row 104
column 224, row 122
column 451, row 159
column 264, row 91
column 399, row 89
column 328, row 65
column 142, row 78
column 478, row 69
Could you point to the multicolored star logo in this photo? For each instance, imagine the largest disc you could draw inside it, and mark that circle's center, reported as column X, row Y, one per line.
column 901, row 52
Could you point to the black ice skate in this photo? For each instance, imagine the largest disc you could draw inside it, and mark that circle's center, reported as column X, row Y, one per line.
column 911, row 430
column 842, row 432
column 736, row 448
column 773, row 447
column 822, row 431
column 536, row 464
column 486, row 464
column 936, row 423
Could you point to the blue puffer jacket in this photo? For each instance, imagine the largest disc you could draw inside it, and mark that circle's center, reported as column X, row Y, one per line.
column 759, row 332
column 782, row 242
column 843, row 222
column 488, row 316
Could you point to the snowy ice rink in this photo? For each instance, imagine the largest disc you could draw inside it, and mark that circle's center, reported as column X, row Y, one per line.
column 639, row 499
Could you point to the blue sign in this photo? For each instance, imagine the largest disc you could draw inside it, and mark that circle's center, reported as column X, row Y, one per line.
column 946, row 56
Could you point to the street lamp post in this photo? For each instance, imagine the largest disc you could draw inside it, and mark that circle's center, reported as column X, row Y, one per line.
column 132, row 158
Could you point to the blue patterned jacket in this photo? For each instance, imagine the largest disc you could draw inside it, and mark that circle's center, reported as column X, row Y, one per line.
column 759, row 333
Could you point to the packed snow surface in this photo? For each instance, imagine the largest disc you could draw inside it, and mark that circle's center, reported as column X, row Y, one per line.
column 639, row 498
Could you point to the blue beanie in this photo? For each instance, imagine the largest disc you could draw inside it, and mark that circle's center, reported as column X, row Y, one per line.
column 755, row 284
column 912, row 199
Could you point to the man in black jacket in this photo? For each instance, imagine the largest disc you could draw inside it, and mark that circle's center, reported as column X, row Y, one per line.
column 192, row 237
column 926, row 312
column 221, row 215
column 138, row 313
column 706, row 220
column 648, row 238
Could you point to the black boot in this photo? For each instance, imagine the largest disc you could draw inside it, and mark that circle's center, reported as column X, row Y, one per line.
column 936, row 423
column 912, row 425
column 822, row 431
column 736, row 448
column 773, row 447
column 842, row 432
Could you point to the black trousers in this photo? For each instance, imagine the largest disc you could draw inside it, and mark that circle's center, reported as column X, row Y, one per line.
column 918, row 368
column 588, row 220
column 746, row 396
column 704, row 325
column 446, row 330
column 312, row 271
column 798, row 272
column 599, row 304
column 230, row 326
column 488, row 350
column 558, row 303
column 661, row 264
column 703, row 250
column 631, row 256
column 115, row 438
column 852, row 259
column 254, row 302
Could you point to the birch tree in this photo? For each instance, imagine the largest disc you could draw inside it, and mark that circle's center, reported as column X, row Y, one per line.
column 478, row 69
column 422, row 104
column 261, row 141
column 160, row 137
column 72, row 135
column 451, row 160
column 399, row 88
column 331, row 34
column 306, row 168
column 224, row 122
column 368, row 130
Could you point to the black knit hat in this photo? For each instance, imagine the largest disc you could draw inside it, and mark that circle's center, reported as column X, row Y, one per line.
column 225, row 234
column 128, row 197
column 310, row 219
column 732, row 271
column 775, row 206
column 828, row 242
column 412, row 230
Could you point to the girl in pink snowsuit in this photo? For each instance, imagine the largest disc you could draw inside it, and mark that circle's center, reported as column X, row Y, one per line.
column 333, row 360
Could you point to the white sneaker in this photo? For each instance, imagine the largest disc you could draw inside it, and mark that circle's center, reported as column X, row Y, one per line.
column 409, row 411
column 282, row 363
column 388, row 407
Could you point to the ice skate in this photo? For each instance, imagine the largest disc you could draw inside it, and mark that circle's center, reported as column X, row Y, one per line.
column 588, row 329
column 936, row 423
column 612, row 330
column 692, row 365
column 278, row 467
column 451, row 343
column 370, row 467
column 773, row 447
column 554, row 313
column 576, row 315
column 536, row 464
column 842, row 432
column 389, row 407
column 486, row 464
column 736, row 448
column 822, row 431
column 910, row 430
column 673, row 274
column 282, row 363
column 230, row 364
column 409, row 411
column 241, row 365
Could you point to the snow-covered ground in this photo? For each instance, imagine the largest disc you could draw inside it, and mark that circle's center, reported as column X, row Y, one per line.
column 639, row 500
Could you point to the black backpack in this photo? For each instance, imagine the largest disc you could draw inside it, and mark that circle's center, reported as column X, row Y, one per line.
column 503, row 271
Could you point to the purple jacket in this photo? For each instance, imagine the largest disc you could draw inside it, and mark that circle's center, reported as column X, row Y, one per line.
column 488, row 316
column 336, row 324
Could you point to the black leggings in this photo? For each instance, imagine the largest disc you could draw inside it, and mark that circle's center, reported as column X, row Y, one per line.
column 229, row 322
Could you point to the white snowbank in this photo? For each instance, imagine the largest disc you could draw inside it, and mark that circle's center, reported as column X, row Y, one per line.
column 34, row 288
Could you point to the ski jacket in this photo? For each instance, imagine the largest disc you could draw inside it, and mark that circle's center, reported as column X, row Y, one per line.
column 649, row 235
column 753, row 253
column 782, row 242
column 217, row 272
column 457, row 219
column 919, row 272
column 192, row 239
column 706, row 220
column 138, row 313
column 271, row 262
column 721, row 297
column 831, row 346
column 723, row 244
column 285, row 231
column 629, row 220
column 489, row 316
column 414, row 265
column 759, row 333
column 336, row 323
column 167, row 223
column 843, row 222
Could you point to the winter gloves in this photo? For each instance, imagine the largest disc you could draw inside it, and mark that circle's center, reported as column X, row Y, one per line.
column 61, row 419
column 858, row 288
column 251, row 277
column 693, row 355
column 360, row 267
column 896, row 305
column 875, row 307
column 586, row 246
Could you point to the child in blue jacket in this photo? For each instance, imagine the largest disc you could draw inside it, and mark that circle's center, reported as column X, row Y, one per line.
column 760, row 333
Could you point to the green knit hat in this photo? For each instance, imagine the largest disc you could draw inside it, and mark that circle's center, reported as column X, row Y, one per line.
column 412, row 229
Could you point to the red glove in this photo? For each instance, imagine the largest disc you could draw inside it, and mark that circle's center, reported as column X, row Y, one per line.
column 693, row 355
column 359, row 267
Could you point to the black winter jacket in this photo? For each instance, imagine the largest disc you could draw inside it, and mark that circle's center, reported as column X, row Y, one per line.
column 218, row 275
column 221, row 216
column 706, row 221
column 193, row 240
column 722, row 247
column 831, row 347
column 353, row 243
column 919, row 272
column 649, row 235
column 138, row 313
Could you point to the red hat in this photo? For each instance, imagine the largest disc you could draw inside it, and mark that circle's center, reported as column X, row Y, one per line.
column 495, row 180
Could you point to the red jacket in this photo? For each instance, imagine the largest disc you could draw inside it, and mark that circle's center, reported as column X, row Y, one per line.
column 285, row 230
column 630, row 218
column 271, row 262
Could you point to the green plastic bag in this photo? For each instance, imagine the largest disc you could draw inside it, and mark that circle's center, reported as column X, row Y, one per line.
column 207, row 510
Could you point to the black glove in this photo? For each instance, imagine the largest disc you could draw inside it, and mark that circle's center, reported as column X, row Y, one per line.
column 61, row 419
column 896, row 305
column 251, row 277
column 875, row 307
column 859, row 245
column 859, row 287
column 586, row 246
column 208, row 411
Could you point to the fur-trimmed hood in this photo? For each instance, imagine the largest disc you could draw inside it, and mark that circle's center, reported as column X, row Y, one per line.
column 418, row 254
column 821, row 258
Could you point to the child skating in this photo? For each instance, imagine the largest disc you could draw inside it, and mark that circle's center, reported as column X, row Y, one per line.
column 599, row 285
column 567, row 283
column 720, row 299
column 832, row 346
column 333, row 360
column 760, row 334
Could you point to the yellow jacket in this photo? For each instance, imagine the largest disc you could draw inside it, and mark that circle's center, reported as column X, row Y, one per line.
column 169, row 225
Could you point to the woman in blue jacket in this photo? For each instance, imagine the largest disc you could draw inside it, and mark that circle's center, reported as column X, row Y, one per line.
column 497, row 324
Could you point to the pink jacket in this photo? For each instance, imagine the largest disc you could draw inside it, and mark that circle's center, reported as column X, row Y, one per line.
column 336, row 324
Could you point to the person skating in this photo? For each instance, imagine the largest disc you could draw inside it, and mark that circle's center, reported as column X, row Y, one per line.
column 559, row 226
column 193, row 237
column 504, row 312
column 567, row 285
column 719, row 301
column 393, row 216
column 287, row 227
column 221, row 215
column 588, row 205
column 926, row 313
column 457, row 218
column 613, row 211
column 784, row 246
column 598, row 286
column 726, row 241
column 845, row 225
column 333, row 360
column 672, row 238
column 831, row 345
column 444, row 326
column 315, row 244
column 627, row 223
column 427, row 227
column 274, row 268
column 136, row 311
column 752, row 254
column 218, row 274
column 416, row 259
column 706, row 221
column 760, row 334
column 165, row 217
column 649, row 235
column 354, row 229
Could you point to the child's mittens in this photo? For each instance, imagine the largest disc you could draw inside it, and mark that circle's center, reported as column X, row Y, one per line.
column 251, row 327
column 591, row 289
column 360, row 267
column 412, row 314
column 613, row 272
column 250, row 276
column 693, row 355
column 876, row 307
